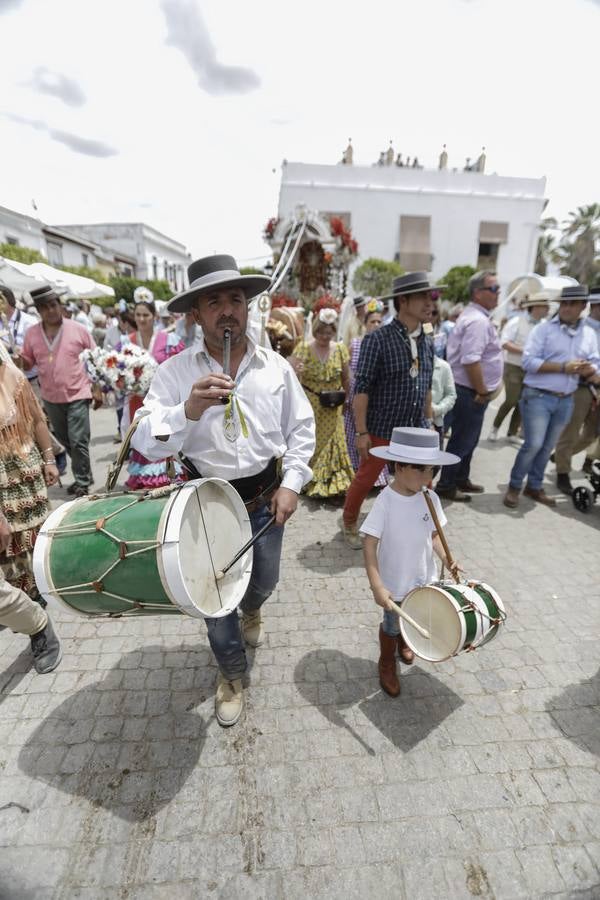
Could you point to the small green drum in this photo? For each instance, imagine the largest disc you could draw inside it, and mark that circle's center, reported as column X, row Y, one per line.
column 457, row 617
column 146, row 553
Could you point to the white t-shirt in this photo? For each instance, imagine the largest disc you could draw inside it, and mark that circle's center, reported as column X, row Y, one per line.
column 404, row 528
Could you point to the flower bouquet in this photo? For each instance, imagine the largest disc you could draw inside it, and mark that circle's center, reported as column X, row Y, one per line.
column 117, row 373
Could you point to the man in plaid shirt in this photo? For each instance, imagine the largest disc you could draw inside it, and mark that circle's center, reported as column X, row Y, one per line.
column 392, row 386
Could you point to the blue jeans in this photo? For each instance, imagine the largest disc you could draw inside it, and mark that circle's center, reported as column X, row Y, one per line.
column 224, row 634
column 544, row 417
column 390, row 623
column 467, row 422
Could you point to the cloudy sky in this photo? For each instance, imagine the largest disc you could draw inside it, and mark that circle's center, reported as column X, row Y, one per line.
column 179, row 112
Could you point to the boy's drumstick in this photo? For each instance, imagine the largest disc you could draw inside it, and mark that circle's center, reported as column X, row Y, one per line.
column 439, row 530
column 410, row 621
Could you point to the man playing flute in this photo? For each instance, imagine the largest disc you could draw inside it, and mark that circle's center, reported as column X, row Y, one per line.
column 235, row 426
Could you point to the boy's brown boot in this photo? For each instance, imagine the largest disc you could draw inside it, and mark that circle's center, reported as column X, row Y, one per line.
column 406, row 654
column 388, row 675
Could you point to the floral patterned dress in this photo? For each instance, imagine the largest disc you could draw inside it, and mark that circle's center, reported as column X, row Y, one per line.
column 332, row 470
column 146, row 473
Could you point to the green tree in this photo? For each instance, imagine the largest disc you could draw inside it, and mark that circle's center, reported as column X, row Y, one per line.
column 374, row 277
column 457, row 281
column 251, row 270
column 21, row 254
column 86, row 272
column 124, row 287
column 578, row 248
column 547, row 245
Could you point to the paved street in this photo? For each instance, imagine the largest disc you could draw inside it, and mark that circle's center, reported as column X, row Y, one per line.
column 481, row 780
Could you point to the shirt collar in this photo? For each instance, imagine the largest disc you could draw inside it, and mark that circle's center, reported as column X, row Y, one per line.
column 568, row 329
column 413, row 334
column 476, row 306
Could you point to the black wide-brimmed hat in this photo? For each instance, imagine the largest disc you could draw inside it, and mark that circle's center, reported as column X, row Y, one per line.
column 594, row 294
column 44, row 294
column 412, row 283
column 213, row 272
column 574, row 292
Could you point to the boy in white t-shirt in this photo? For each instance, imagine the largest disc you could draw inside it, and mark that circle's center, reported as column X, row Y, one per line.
column 400, row 539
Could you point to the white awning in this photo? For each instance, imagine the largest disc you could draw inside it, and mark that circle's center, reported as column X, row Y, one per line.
column 73, row 286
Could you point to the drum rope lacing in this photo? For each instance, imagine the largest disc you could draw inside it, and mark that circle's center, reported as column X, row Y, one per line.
column 90, row 526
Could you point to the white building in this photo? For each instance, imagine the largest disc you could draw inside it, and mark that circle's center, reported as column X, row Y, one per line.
column 21, row 230
column 427, row 219
column 156, row 255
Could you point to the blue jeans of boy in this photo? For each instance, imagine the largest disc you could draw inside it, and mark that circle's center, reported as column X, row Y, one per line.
column 224, row 634
column 467, row 422
column 543, row 416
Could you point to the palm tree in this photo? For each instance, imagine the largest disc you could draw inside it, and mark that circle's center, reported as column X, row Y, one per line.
column 580, row 243
column 547, row 246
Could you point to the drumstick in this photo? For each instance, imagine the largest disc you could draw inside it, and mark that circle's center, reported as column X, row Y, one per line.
column 226, row 357
column 246, row 547
column 439, row 530
column 410, row 621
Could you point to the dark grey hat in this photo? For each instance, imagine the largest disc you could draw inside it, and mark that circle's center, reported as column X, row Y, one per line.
column 412, row 283
column 44, row 294
column 359, row 301
column 213, row 272
column 574, row 292
column 594, row 294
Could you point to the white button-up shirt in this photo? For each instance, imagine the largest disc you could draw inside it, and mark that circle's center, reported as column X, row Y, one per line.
column 278, row 416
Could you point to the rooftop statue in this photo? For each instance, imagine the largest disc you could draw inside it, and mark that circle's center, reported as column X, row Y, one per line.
column 443, row 161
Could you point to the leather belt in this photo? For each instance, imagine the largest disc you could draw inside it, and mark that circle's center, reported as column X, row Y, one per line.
column 553, row 393
column 255, row 490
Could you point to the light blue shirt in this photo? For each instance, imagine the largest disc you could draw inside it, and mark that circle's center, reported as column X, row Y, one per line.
column 594, row 324
column 551, row 341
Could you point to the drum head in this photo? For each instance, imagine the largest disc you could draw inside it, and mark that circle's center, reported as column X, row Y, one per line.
column 205, row 526
column 438, row 613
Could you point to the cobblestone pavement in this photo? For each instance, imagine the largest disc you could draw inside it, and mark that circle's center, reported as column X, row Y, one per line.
column 481, row 780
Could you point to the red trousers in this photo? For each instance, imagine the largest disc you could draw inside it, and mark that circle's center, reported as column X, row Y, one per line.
column 364, row 479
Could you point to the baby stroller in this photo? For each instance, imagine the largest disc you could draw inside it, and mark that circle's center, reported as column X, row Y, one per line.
column 584, row 498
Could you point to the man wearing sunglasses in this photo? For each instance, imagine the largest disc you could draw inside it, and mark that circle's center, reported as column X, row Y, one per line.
column 476, row 359
column 558, row 353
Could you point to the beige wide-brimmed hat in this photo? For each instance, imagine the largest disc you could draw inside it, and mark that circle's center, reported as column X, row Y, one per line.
column 538, row 299
column 419, row 446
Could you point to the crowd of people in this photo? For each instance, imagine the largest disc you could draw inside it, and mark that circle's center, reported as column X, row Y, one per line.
column 399, row 385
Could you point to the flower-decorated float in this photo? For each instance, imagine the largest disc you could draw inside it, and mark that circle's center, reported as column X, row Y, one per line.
column 312, row 255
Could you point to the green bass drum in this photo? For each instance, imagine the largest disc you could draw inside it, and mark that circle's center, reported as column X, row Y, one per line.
column 146, row 553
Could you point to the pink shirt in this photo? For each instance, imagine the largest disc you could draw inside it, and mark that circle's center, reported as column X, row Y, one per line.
column 60, row 371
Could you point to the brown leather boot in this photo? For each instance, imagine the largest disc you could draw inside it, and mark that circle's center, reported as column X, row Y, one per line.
column 406, row 654
column 388, row 676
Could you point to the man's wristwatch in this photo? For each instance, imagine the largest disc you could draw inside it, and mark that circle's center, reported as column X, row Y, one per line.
column 428, row 423
column 361, row 433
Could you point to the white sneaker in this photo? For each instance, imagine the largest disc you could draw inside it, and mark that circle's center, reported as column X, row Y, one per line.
column 515, row 440
column 252, row 630
column 229, row 701
column 493, row 435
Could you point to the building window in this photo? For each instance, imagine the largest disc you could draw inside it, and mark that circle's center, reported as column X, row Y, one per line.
column 127, row 271
column 13, row 241
column 166, row 270
column 154, row 268
column 415, row 243
column 491, row 236
column 85, row 259
column 55, row 256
